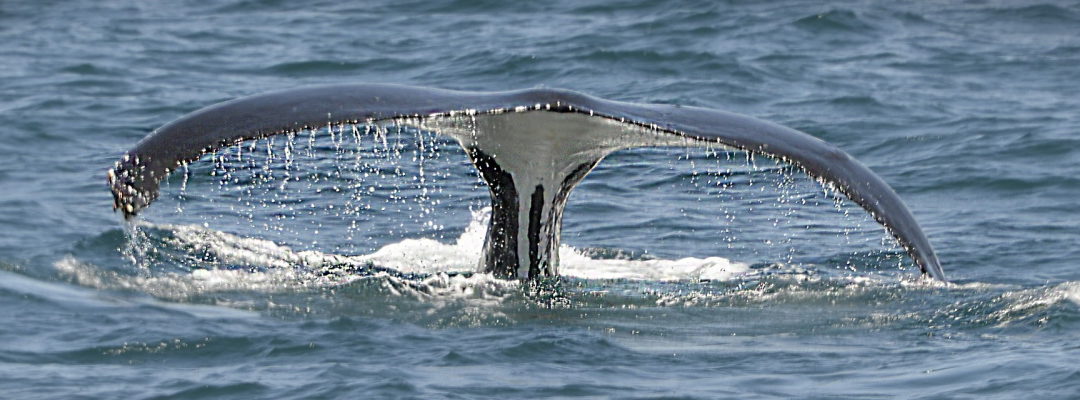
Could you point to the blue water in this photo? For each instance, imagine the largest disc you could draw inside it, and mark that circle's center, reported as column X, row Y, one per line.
column 248, row 278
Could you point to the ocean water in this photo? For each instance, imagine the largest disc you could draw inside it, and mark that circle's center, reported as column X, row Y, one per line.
column 334, row 265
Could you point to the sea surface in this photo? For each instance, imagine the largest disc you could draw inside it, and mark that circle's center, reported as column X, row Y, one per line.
column 341, row 264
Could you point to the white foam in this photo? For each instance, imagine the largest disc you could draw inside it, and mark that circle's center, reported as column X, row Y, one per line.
column 573, row 263
column 274, row 268
column 1026, row 302
column 432, row 256
column 437, row 291
column 1071, row 291
column 428, row 256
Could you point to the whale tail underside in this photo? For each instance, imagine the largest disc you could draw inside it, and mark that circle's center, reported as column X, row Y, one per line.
column 507, row 135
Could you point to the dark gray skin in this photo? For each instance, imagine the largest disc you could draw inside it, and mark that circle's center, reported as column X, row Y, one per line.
column 135, row 178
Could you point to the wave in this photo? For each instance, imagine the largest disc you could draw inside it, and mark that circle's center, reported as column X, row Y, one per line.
column 434, row 283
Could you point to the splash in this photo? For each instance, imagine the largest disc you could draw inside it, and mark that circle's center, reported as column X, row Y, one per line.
column 226, row 262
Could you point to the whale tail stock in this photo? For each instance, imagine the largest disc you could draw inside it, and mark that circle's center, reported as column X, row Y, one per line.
column 531, row 147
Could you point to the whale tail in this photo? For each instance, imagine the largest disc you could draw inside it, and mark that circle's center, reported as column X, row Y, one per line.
column 531, row 147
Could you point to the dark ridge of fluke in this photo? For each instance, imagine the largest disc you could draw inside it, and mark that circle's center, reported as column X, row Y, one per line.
column 531, row 147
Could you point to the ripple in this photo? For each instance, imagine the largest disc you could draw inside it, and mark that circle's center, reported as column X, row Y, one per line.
column 835, row 21
column 323, row 67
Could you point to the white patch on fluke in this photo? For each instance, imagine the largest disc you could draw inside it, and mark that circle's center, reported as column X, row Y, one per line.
column 542, row 150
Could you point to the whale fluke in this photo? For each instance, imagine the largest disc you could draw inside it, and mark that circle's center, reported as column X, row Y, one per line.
column 531, row 147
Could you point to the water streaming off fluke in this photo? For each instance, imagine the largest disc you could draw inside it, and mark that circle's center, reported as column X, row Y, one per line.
column 531, row 148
